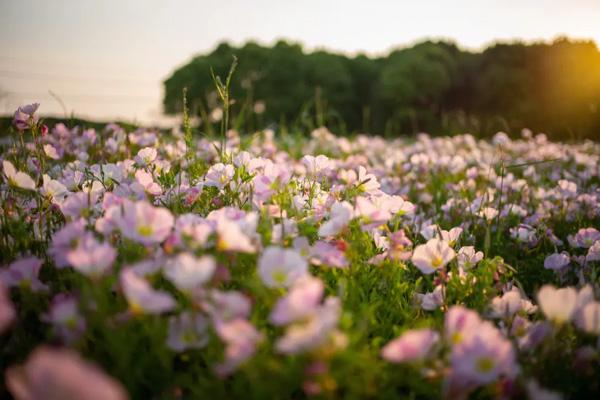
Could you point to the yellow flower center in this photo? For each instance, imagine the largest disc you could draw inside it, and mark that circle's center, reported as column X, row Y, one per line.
column 456, row 338
column 485, row 364
column 222, row 243
column 71, row 323
column 136, row 309
column 437, row 261
column 145, row 230
column 279, row 276
column 189, row 337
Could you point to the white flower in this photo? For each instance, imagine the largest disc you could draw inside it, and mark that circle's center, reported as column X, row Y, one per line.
column 280, row 267
column 51, row 152
column 510, row 303
column 53, row 189
column 341, row 213
column 432, row 300
column 557, row 304
column 594, row 252
column 188, row 272
column 319, row 165
column 17, row 178
column 146, row 156
column 433, row 255
column 219, row 175
column 452, row 235
column 232, row 238
column 589, row 318
column 367, row 182
column 468, row 258
column 489, row 213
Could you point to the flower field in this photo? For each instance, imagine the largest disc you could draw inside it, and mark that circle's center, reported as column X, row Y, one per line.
column 145, row 264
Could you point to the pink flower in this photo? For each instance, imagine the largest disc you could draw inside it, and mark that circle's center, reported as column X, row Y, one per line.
column 482, row 358
column 79, row 204
column 586, row 237
column 523, row 234
column 557, row 261
column 53, row 189
column 193, row 230
column 510, row 303
column 187, row 272
column 24, row 273
column 468, row 258
column 367, row 182
column 146, row 156
column 323, row 253
column 589, row 318
column 145, row 223
column 219, row 175
column 231, row 237
column 187, row 331
column 371, row 215
column 284, row 230
column 399, row 247
column 317, row 166
column 17, row 178
column 264, row 187
column 91, row 257
column 225, row 306
column 411, row 346
column 142, row 298
column 146, row 182
column 279, row 267
column 241, row 339
column 459, row 323
column 51, row 152
column 593, row 252
column 312, row 331
column 65, row 317
column 55, row 374
column 340, row 215
column 302, row 300
column 558, row 305
column 64, row 240
column 25, row 117
column 433, row 255
column 235, row 229
column 431, row 300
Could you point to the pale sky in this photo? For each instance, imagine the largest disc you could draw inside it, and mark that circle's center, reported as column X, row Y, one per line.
column 106, row 59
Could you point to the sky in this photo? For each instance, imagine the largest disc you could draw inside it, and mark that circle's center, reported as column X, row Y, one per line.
column 106, row 59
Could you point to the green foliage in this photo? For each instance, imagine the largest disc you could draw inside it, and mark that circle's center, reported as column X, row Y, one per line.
column 431, row 86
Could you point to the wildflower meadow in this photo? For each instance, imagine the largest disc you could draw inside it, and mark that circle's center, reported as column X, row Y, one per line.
column 149, row 264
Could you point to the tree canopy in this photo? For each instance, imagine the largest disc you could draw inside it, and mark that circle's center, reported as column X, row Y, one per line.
column 431, row 86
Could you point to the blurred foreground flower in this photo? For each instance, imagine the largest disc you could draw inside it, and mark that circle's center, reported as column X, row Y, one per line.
column 53, row 374
column 411, row 346
column 143, row 298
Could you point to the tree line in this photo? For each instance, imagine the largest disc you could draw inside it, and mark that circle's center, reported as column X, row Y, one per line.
column 432, row 86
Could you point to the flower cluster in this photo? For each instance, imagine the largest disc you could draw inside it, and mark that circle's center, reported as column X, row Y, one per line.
column 169, row 266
